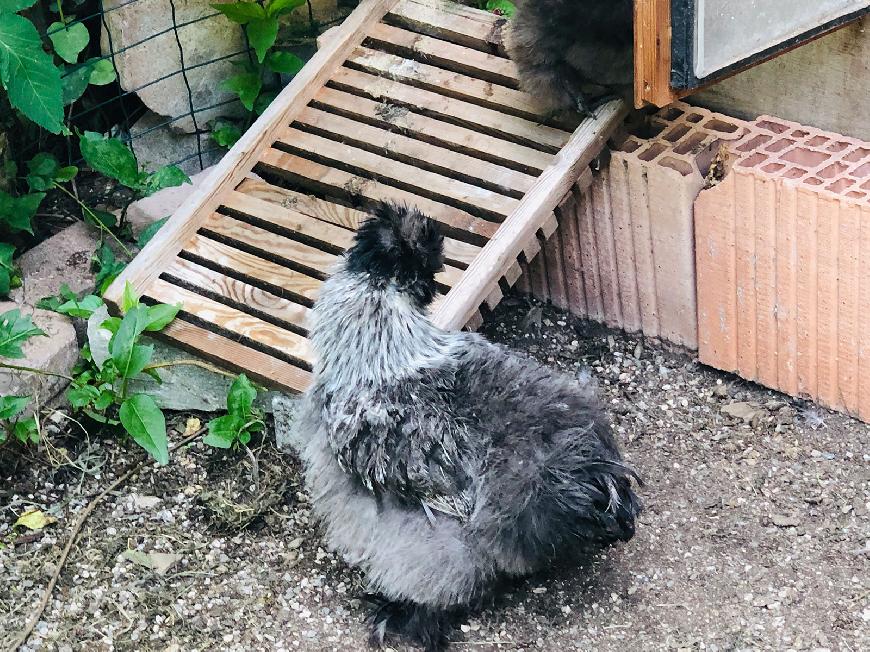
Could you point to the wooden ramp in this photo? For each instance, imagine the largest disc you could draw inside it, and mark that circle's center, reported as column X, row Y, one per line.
column 410, row 100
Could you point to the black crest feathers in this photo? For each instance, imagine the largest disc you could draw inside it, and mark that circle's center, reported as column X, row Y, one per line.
column 402, row 245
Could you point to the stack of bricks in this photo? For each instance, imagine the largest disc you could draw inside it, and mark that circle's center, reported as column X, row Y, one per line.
column 624, row 251
column 783, row 265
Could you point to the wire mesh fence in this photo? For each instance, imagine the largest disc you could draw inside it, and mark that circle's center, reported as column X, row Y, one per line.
column 166, row 62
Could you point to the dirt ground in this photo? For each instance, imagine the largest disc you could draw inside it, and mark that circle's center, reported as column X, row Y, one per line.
column 755, row 534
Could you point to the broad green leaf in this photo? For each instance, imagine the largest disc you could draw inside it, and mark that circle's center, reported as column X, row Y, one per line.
column 7, row 268
column 264, row 101
column 241, row 12
column 160, row 315
column 145, row 423
column 225, row 133
column 99, row 218
column 11, row 6
column 149, row 232
column 31, row 79
column 223, row 431
column 168, row 176
column 104, row 400
column 285, row 62
column 42, row 169
column 83, row 307
column 15, row 330
column 241, row 396
column 129, row 300
column 34, row 519
column 75, row 82
column 280, row 7
column 17, row 212
column 262, row 33
column 66, row 173
column 106, row 266
column 111, row 157
column 501, row 7
column 27, row 431
column 247, row 86
column 80, row 397
column 139, row 359
column 12, row 406
column 112, row 324
column 124, row 341
column 102, row 72
column 68, row 40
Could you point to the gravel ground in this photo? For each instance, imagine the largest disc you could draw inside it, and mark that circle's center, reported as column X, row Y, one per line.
column 755, row 534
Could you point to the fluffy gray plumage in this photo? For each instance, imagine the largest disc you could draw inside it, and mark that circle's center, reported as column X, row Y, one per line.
column 436, row 460
column 566, row 50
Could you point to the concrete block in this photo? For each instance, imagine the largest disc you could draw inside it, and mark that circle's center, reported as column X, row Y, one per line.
column 57, row 352
column 63, row 258
column 623, row 254
column 782, row 257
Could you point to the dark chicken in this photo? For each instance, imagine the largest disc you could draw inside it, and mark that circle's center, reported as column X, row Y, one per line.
column 436, row 460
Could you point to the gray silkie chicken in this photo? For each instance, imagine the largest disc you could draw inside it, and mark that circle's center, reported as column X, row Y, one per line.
column 437, row 461
column 567, row 51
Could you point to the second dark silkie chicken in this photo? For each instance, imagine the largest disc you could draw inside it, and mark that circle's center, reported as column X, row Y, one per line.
column 437, row 461
column 570, row 52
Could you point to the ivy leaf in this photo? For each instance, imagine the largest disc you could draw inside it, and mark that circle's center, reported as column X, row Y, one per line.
column 149, row 232
column 31, row 79
column 75, row 82
column 262, row 33
column 284, row 62
column 247, row 86
column 160, row 315
column 7, row 268
column 102, row 72
column 17, row 212
column 12, row 6
column 240, row 398
column 280, row 7
column 84, row 307
column 15, row 330
column 110, row 157
column 223, row 431
column 241, row 12
column 168, row 176
column 44, row 170
column 68, row 40
column 225, row 133
column 145, row 423
column 12, row 406
column 27, row 431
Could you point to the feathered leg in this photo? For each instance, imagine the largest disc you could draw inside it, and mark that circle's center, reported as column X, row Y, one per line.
column 426, row 626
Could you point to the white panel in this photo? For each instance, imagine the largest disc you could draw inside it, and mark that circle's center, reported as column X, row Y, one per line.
column 728, row 31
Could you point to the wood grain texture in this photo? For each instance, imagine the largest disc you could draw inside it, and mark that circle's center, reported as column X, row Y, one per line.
column 418, row 125
column 452, row 22
column 536, row 206
column 652, row 53
column 242, row 157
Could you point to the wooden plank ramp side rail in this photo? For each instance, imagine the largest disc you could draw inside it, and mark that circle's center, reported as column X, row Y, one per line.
column 534, row 208
column 243, row 156
column 411, row 101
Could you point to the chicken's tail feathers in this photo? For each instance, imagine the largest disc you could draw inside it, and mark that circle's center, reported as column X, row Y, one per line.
column 576, row 492
column 399, row 244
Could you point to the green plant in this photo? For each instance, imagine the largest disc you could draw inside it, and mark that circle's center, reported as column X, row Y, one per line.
column 15, row 330
column 250, row 84
column 235, row 428
column 501, row 7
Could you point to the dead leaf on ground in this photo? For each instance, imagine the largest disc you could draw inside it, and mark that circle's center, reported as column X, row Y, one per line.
column 159, row 562
column 34, row 519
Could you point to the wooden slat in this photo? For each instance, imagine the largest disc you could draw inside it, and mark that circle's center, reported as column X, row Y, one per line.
column 235, row 356
column 432, row 130
column 445, row 54
column 217, row 283
column 235, row 321
column 350, row 186
column 652, row 53
column 446, row 82
column 535, row 206
column 417, row 152
column 266, row 241
column 454, row 250
column 257, row 268
column 463, row 113
column 401, row 175
column 452, row 22
column 241, row 158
